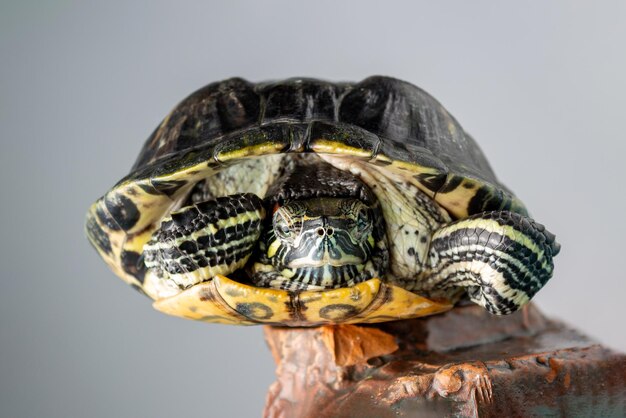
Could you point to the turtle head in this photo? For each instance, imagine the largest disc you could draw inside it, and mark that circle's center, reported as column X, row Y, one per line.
column 322, row 242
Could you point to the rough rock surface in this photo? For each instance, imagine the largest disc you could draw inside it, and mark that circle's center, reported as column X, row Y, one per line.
column 461, row 363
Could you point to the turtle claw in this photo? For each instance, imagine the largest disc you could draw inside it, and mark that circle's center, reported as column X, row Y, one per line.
column 464, row 381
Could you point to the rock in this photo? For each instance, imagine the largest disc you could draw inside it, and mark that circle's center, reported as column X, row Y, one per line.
column 465, row 363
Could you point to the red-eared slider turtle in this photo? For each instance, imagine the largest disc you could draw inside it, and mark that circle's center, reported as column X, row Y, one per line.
column 303, row 202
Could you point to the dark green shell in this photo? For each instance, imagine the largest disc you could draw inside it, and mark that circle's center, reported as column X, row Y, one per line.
column 379, row 114
column 385, row 121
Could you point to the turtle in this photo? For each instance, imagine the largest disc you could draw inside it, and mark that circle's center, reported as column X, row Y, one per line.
column 305, row 202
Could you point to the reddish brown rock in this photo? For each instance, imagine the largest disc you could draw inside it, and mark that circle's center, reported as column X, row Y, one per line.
column 461, row 363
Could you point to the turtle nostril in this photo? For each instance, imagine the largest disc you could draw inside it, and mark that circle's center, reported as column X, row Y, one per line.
column 320, row 231
column 329, row 231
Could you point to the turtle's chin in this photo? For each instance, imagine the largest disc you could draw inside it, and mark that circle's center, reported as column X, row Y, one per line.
column 325, row 276
column 326, row 263
column 325, row 267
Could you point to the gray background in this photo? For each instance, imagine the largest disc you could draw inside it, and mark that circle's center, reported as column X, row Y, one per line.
column 541, row 86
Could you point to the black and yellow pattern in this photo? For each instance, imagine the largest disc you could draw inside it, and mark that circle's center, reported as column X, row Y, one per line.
column 322, row 243
column 226, row 301
column 502, row 258
column 198, row 242
column 233, row 137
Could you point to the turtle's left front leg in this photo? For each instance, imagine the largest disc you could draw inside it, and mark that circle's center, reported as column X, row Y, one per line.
column 501, row 258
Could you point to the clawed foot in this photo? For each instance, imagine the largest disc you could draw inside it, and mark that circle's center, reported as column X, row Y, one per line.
column 501, row 258
column 464, row 381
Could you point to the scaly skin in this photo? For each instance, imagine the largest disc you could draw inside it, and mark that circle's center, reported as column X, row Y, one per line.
column 501, row 257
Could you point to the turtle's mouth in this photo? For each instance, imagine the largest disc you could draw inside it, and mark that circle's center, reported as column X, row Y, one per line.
column 327, row 251
column 326, row 261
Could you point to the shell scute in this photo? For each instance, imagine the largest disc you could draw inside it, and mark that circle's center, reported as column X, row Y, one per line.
column 225, row 301
column 337, row 305
column 301, row 99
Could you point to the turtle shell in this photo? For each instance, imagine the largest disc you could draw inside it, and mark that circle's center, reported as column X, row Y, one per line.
column 381, row 120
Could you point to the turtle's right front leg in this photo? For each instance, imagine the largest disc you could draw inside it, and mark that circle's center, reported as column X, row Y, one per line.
column 197, row 242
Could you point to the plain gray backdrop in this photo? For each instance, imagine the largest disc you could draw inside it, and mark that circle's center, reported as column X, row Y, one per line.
column 540, row 85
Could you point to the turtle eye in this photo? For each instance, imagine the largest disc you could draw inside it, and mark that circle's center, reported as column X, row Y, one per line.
column 283, row 231
column 363, row 220
column 363, row 224
column 281, row 228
